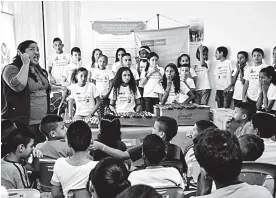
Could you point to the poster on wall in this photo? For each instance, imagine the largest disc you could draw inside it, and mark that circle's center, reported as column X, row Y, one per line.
column 168, row 43
column 196, row 35
column 111, row 35
column 8, row 48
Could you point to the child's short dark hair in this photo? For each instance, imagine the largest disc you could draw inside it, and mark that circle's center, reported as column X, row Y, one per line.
column 75, row 49
column 244, row 53
column 126, row 54
column 224, row 51
column 204, row 124
column 79, row 135
column 19, row 136
column 265, row 123
column 247, row 108
column 169, row 126
column 219, row 153
column 154, row 148
column 258, row 50
column 252, row 147
column 141, row 191
column 57, row 39
column 205, row 48
column 49, row 123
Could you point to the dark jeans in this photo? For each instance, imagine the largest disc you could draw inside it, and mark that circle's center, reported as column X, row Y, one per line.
column 202, row 96
column 141, row 90
column 224, row 99
column 149, row 103
column 236, row 102
column 251, row 101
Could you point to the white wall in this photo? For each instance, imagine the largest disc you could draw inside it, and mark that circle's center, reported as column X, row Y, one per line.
column 236, row 25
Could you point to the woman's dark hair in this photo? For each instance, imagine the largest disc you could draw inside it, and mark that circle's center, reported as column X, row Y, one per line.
column 110, row 130
column 179, row 59
column 109, row 178
column 75, row 72
column 150, row 55
column 176, row 79
column 117, row 52
column 93, row 56
column 117, row 82
column 141, row 191
column 269, row 72
column 198, row 52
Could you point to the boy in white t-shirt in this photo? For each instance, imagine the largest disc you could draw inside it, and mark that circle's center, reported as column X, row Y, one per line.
column 201, row 68
column 75, row 64
column 126, row 62
column 223, row 74
column 72, row 173
column 274, row 57
column 57, row 62
column 251, row 86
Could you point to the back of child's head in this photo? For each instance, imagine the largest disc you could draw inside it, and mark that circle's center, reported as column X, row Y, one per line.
column 252, row 147
column 57, row 39
column 109, row 178
column 75, row 73
column 259, row 50
column 179, row 61
column 168, row 126
column 265, row 124
column 75, row 49
column 270, row 73
column 49, row 123
column 79, row 136
column 110, row 130
column 117, row 52
column 219, row 153
column 205, row 50
column 224, row 51
column 247, row 108
column 141, row 191
column 204, row 124
column 154, row 148
column 19, row 136
column 244, row 53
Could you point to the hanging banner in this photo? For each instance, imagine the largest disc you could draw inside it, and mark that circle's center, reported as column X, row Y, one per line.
column 196, row 34
column 168, row 43
column 111, row 35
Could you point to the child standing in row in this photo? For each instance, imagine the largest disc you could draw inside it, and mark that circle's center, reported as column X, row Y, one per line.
column 274, row 57
column 223, row 74
column 124, row 96
column 118, row 60
column 95, row 57
column 251, row 86
column 171, row 88
column 126, row 62
column 185, row 60
column 149, row 78
column 201, row 68
column 85, row 95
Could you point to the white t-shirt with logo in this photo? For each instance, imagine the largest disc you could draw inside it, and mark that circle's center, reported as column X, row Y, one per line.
column 238, row 85
column 154, row 79
column 223, row 74
column 84, row 98
column 252, row 75
column 102, row 78
column 271, row 95
column 125, row 99
column 172, row 95
column 58, row 63
column 202, row 81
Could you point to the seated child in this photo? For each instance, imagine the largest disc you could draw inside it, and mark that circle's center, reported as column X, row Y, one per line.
column 252, row 147
column 110, row 135
column 155, row 175
column 13, row 173
column 55, row 147
column 124, row 96
column 142, row 191
column 72, row 172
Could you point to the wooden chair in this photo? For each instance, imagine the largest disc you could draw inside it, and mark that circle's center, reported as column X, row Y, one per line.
column 20, row 193
column 256, row 172
column 78, row 193
column 171, row 192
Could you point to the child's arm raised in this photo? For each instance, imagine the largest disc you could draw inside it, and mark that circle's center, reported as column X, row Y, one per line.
column 163, row 97
column 201, row 58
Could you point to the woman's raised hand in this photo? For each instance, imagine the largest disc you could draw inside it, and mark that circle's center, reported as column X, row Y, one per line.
column 24, row 57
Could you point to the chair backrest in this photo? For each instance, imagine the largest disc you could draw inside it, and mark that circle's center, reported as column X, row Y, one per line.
column 78, row 193
column 255, row 168
column 22, row 193
column 171, row 192
column 46, row 168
